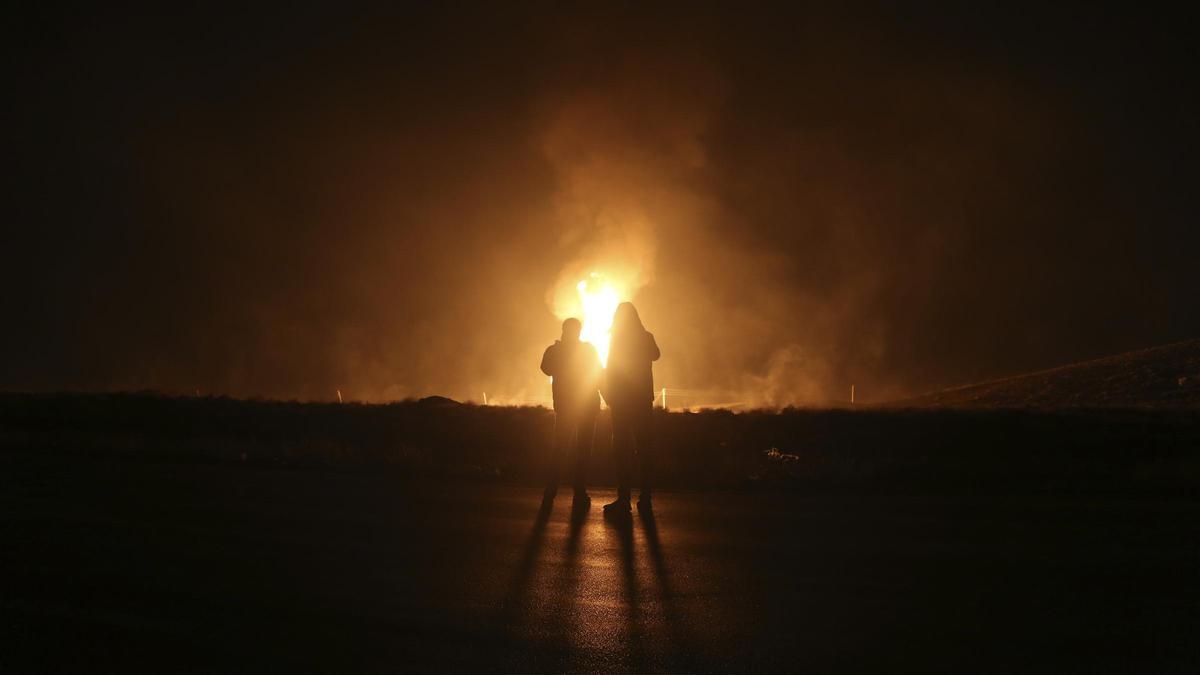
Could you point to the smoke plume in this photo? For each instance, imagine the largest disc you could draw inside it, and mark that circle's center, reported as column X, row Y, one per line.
column 403, row 206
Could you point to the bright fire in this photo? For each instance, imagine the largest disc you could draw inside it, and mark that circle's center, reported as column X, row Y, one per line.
column 599, row 300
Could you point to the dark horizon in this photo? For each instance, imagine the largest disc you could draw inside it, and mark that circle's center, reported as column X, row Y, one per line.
column 285, row 204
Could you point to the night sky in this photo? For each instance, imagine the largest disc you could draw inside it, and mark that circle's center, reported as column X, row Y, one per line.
column 288, row 202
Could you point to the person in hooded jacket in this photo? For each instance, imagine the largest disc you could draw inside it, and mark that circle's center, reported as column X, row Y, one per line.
column 574, row 367
column 628, row 388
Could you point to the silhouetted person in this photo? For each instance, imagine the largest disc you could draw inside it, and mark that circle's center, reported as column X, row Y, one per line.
column 575, row 367
column 628, row 387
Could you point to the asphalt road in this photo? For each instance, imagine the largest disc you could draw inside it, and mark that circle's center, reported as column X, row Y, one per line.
column 129, row 566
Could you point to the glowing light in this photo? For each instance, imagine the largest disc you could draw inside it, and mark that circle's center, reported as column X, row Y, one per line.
column 598, row 299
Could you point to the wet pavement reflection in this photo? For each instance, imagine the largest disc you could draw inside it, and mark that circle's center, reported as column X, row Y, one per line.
column 595, row 589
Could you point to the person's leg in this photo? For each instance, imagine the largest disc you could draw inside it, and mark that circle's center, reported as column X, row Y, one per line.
column 585, row 430
column 643, row 429
column 563, row 428
column 622, row 449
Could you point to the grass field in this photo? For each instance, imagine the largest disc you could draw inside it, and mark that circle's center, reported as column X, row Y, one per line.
column 942, row 449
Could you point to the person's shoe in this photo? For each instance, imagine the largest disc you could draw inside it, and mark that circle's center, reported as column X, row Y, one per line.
column 618, row 509
column 644, row 504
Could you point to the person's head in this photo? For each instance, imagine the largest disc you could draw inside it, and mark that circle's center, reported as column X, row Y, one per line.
column 571, row 328
column 626, row 320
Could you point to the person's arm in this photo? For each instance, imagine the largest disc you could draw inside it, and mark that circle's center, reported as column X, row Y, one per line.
column 549, row 366
column 652, row 347
column 601, row 373
column 604, row 391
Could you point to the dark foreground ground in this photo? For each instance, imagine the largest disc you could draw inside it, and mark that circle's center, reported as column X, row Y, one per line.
column 124, row 565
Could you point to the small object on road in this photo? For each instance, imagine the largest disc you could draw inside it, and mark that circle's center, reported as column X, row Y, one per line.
column 618, row 509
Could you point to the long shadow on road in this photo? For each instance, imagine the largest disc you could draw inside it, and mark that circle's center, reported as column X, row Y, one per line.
column 581, row 596
column 677, row 656
column 635, row 647
column 514, row 606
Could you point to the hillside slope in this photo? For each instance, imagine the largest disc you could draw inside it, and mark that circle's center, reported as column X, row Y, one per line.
column 1167, row 376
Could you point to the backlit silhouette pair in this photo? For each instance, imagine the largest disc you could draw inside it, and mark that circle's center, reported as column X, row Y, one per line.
column 627, row 386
